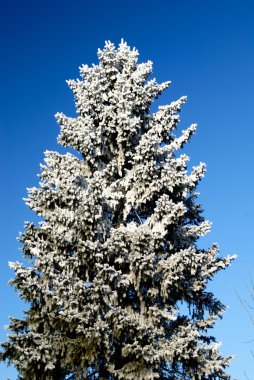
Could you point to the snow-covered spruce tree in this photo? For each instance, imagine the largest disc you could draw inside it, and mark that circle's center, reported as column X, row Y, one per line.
column 115, row 254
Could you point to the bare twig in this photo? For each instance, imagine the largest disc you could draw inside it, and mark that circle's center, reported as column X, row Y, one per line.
column 244, row 304
column 246, row 376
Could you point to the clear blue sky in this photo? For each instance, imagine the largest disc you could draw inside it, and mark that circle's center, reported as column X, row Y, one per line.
column 207, row 49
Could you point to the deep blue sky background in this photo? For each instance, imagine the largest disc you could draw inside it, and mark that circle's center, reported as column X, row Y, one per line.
column 207, row 49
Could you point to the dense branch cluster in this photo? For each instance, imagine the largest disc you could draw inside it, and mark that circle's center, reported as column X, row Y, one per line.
column 115, row 258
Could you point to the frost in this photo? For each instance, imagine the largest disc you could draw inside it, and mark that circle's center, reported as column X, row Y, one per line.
column 116, row 252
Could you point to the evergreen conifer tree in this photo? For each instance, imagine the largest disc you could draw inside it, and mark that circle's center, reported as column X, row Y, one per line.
column 115, row 256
